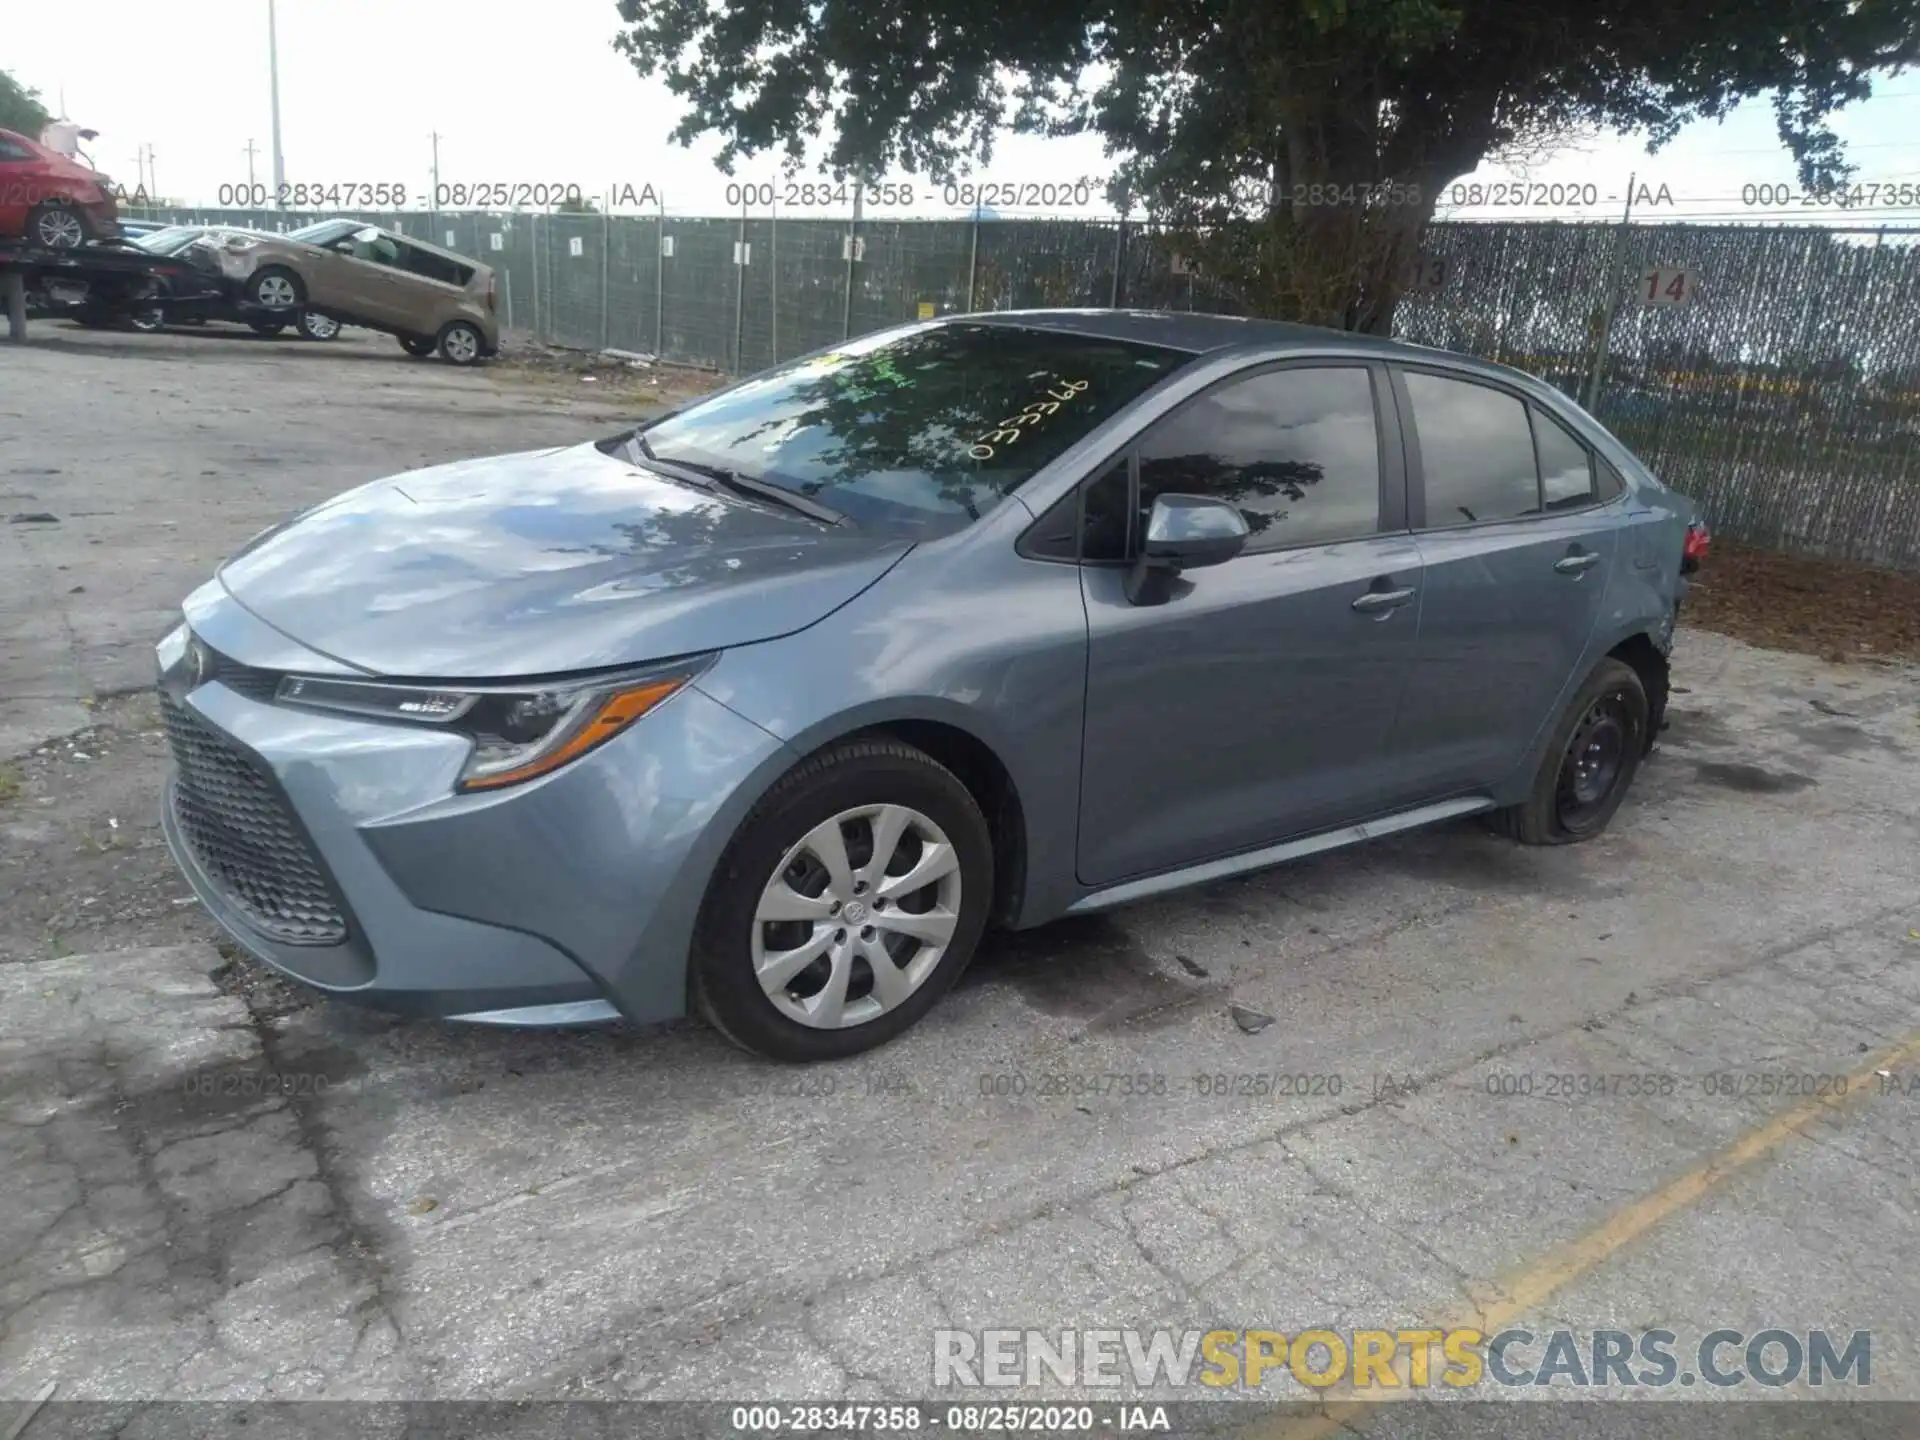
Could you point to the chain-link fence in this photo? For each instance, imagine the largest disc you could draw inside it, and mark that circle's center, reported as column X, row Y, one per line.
column 1773, row 374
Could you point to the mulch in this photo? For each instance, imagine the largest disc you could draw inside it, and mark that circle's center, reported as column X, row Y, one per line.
column 1835, row 609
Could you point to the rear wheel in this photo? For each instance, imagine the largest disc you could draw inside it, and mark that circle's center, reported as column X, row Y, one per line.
column 849, row 902
column 1592, row 759
column 419, row 346
column 57, row 226
column 461, row 343
column 147, row 318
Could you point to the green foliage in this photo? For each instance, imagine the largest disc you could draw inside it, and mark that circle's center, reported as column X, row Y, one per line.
column 20, row 108
column 1223, row 115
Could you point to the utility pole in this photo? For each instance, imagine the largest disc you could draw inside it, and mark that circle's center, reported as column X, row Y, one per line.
column 433, row 201
column 273, row 77
column 252, row 150
column 1612, row 300
column 153, row 179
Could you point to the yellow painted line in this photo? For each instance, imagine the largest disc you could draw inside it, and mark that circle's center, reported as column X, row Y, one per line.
column 1532, row 1286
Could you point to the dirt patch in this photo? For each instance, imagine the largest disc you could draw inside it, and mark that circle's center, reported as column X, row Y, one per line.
column 1835, row 609
column 82, row 861
column 587, row 373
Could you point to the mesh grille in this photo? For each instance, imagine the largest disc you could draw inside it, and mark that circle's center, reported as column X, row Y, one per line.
column 241, row 830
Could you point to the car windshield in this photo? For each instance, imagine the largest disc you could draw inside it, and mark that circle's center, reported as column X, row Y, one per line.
column 920, row 429
column 324, row 232
column 171, row 240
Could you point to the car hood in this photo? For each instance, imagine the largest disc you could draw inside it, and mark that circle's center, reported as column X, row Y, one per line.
column 543, row 563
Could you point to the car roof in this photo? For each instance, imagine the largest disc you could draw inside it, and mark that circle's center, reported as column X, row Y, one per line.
column 1203, row 333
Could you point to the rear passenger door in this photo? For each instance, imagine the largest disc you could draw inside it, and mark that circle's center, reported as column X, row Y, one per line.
column 1517, row 540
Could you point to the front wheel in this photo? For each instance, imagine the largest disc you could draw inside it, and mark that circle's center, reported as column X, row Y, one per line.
column 312, row 325
column 1592, row 759
column 277, row 289
column 57, row 226
column 847, row 905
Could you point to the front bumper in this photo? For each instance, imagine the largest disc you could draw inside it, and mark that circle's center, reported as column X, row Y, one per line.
column 568, row 899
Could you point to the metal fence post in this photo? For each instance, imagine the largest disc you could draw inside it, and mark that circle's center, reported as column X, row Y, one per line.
column 1119, row 255
column 773, row 285
column 659, row 275
column 606, row 246
column 1612, row 302
column 853, row 250
column 533, row 240
column 973, row 255
column 740, row 282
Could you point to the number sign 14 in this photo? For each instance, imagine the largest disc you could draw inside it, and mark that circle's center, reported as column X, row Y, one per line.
column 1661, row 285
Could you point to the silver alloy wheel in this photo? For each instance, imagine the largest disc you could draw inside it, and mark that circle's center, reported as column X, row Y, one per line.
column 852, row 941
column 316, row 326
column 59, row 229
column 275, row 292
column 461, row 345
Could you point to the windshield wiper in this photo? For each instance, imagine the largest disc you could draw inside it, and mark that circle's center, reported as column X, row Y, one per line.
column 720, row 477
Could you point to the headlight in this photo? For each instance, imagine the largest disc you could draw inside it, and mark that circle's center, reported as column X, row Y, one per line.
column 517, row 734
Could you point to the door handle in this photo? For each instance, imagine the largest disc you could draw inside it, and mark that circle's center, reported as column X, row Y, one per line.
column 1376, row 602
column 1577, row 564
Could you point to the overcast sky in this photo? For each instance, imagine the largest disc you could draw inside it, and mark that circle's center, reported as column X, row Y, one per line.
column 526, row 94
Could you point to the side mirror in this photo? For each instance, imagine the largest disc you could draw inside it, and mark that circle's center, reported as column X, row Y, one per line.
column 1184, row 532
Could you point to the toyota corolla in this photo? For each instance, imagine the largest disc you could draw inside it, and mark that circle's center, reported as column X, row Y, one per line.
column 767, row 708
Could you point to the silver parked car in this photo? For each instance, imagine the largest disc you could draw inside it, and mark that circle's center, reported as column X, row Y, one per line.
column 768, row 708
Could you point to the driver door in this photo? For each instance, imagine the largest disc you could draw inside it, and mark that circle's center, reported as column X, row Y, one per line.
column 1256, row 703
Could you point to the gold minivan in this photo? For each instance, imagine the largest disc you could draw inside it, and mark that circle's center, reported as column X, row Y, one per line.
column 358, row 274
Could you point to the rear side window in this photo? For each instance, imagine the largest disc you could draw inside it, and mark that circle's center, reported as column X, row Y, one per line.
column 1566, row 466
column 1297, row 450
column 1476, row 451
column 435, row 267
column 14, row 150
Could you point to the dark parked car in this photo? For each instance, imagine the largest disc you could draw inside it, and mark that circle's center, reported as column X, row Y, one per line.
column 769, row 707
column 201, row 288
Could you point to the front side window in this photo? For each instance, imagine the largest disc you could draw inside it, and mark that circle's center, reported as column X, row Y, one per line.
column 1296, row 450
column 921, row 429
column 1476, row 451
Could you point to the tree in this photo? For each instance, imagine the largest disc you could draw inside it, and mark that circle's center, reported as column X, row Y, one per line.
column 1295, row 148
column 20, row 108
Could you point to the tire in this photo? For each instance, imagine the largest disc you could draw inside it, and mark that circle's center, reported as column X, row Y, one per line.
column 460, row 343
column 312, row 325
column 419, row 346
column 147, row 319
column 57, row 226
column 266, row 327
column 1604, row 726
column 844, row 790
column 276, row 288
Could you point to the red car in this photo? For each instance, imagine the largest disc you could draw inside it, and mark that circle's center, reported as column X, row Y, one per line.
column 47, row 199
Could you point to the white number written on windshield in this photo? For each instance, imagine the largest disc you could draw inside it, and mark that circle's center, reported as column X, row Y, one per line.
column 1031, row 414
